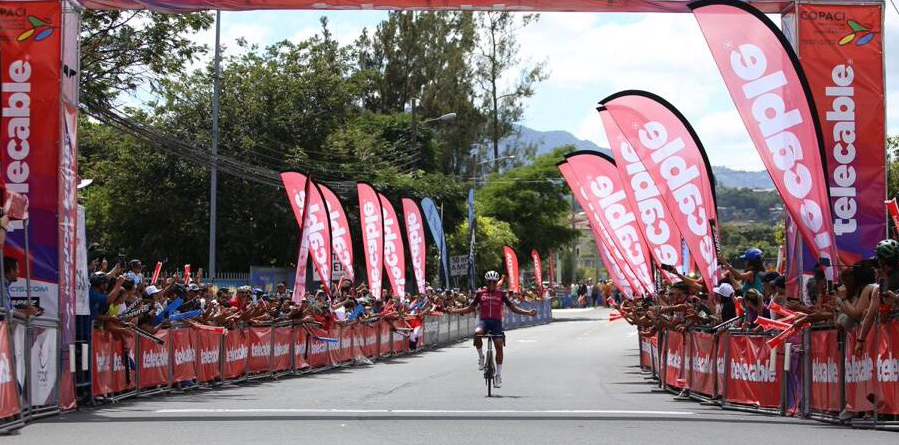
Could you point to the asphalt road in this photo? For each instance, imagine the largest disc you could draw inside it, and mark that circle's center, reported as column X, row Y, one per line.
column 572, row 381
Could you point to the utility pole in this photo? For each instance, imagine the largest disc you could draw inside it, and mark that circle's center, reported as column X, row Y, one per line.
column 213, row 183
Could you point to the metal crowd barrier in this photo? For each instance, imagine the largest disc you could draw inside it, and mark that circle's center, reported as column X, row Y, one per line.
column 30, row 368
column 817, row 376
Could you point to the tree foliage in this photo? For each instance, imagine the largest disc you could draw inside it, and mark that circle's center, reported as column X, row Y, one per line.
column 491, row 234
column 531, row 198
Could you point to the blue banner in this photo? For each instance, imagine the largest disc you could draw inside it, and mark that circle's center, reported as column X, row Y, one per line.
column 472, row 227
column 436, row 225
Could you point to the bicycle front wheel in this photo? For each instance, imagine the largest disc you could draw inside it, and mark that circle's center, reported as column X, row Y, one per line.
column 489, row 372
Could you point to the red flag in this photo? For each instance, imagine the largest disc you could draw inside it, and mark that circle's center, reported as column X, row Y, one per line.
column 552, row 269
column 394, row 253
column 607, row 201
column 674, row 158
column 772, row 95
column 893, row 209
column 341, row 241
column 186, row 273
column 538, row 270
column 656, row 222
column 624, row 277
column 512, row 268
column 372, row 227
column 299, row 279
column 316, row 229
column 156, row 273
column 415, row 235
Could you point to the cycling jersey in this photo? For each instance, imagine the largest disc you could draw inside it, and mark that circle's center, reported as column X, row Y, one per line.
column 491, row 303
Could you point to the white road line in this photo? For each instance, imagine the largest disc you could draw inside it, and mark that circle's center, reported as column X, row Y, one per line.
column 411, row 411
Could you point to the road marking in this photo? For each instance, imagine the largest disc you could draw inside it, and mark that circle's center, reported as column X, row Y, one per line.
column 412, row 411
column 526, row 341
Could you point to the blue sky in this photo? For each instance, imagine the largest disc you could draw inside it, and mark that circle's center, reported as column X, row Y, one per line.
column 590, row 56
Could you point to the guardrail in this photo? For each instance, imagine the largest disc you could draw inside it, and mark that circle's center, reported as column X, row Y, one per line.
column 130, row 366
column 817, row 375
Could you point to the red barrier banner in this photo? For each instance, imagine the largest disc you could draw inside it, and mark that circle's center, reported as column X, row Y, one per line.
column 341, row 242
column 893, row 210
column 771, row 93
column 340, row 352
column 154, row 361
column 9, row 395
column 720, row 358
column 370, row 339
column 860, row 380
column 511, row 260
column 299, row 349
column 317, row 353
column 702, row 362
column 415, row 236
column 841, row 49
column 645, row 352
column 888, row 368
column 654, row 343
column 358, row 342
column 281, row 352
column 400, row 341
column 623, row 277
column 184, row 344
column 386, row 345
column 119, row 381
column 236, row 351
column 657, row 225
column 752, row 378
column 825, row 357
column 394, row 253
column 101, row 362
column 260, row 340
column 607, row 201
column 210, row 346
column 372, row 242
column 659, row 140
column 674, row 360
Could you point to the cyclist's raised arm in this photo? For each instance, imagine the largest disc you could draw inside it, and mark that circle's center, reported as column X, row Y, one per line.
column 516, row 309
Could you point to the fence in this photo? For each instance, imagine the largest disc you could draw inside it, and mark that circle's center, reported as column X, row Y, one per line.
column 815, row 374
column 131, row 366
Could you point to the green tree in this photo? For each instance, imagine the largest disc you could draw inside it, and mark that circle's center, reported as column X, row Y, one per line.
column 737, row 237
column 491, row 234
column 502, row 98
column 893, row 165
column 532, row 199
column 121, row 50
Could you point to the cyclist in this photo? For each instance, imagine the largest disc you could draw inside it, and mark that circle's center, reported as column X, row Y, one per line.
column 491, row 301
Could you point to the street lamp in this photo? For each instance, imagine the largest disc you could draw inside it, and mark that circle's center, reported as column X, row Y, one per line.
column 445, row 117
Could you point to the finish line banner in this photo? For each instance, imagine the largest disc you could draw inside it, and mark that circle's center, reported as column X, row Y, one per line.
column 841, row 51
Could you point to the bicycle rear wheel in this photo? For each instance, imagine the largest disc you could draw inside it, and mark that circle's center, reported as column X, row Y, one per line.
column 489, row 372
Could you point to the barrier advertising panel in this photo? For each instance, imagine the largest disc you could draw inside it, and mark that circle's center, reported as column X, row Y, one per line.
column 860, row 383
column 260, row 341
column 236, row 352
column 281, row 349
column 154, row 361
column 887, row 369
column 674, row 360
column 210, row 346
column 184, row 345
column 9, row 397
column 825, row 358
column 753, row 377
column 701, row 363
column 386, row 345
column 299, row 348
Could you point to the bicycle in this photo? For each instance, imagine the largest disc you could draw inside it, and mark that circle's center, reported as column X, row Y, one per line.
column 489, row 365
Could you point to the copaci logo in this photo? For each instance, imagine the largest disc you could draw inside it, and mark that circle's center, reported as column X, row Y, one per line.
column 40, row 30
column 862, row 34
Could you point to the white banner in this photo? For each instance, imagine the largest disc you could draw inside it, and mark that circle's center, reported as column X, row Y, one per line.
column 43, row 366
column 82, row 304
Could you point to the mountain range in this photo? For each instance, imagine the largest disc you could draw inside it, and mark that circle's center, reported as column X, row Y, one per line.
column 547, row 140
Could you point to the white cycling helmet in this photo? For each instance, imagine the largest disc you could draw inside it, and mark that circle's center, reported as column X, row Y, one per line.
column 491, row 276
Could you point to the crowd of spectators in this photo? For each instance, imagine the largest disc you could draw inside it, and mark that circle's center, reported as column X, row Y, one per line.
column 123, row 298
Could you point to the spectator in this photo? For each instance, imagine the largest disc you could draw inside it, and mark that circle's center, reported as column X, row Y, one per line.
column 135, row 272
column 752, row 276
column 726, row 309
column 594, row 294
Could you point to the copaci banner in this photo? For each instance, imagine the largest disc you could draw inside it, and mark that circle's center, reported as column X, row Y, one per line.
column 372, row 227
column 538, row 271
column 415, row 236
column 341, row 241
column 655, row 220
column 316, row 230
column 841, row 50
column 771, row 93
column 394, row 253
column 31, row 155
column 607, row 201
column 436, row 225
column 660, row 140
column 512, row 268
column 296, row 185
column 623, row 277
